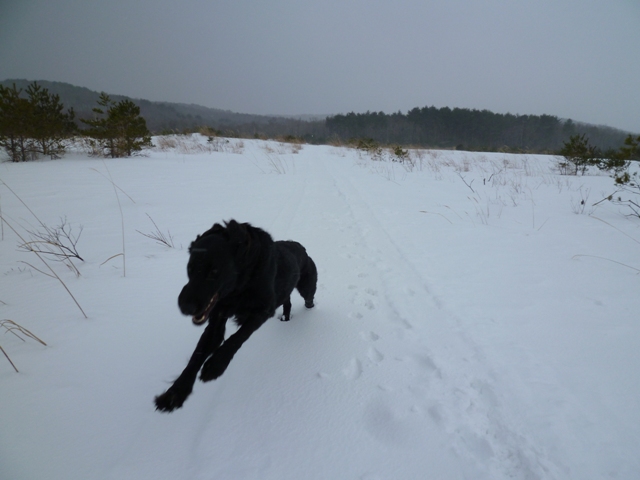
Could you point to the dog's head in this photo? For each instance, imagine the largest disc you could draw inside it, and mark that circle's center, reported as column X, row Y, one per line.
column 212, row 275
column 213, row 268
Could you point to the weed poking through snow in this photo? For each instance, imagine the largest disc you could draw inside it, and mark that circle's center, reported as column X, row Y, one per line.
column 12, row 327
column 52, row 274
column 57, row 243
column 158, row 236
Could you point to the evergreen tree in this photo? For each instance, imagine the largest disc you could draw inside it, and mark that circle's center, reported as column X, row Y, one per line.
column 33, row 125
column 16, row 118
column 118, row 130
column 102, row 138
column 50, row 125
column 578, row 155
column 631, row 148
column 618, row 162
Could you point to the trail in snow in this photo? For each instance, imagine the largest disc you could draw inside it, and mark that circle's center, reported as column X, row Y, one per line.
column 443, row 371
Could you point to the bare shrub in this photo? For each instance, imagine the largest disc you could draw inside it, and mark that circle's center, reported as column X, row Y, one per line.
column 158, row 236
column 296, row 147
column 237, row 147
column 267, row 148
column 460, row 166
column 89, row 146
column 434, row 154
column 217, row 144
column 57, row 243
column 282, row 148
column 194, row 144
column 166, row 142
column 418, row 154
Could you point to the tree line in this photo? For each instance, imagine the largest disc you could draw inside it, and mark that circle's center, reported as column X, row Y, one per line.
column 468, row 129
column 23, row 135
column 34, row 122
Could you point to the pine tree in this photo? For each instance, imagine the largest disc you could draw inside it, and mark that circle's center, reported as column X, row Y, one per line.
column 50, row 125
column 631, row 148
column 118, row 130
column 620, row 161
column 98, row 133
column 578, row 155
column 16, row 118
column 33, row 125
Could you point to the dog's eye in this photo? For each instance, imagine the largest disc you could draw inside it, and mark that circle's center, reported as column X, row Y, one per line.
column 194, row 271
column 213, row 273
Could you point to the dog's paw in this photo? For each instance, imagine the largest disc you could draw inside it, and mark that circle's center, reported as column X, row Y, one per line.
column 170, row 400
column 214, row 368
column 309, row 304
column 284, row 318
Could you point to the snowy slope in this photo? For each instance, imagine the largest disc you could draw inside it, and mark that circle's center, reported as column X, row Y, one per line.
column 457, row 334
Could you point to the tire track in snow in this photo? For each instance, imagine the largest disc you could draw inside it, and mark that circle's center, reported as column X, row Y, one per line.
column 444, row 375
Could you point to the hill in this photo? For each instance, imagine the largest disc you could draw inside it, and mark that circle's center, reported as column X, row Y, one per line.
column 459, row 128
column 160, row 116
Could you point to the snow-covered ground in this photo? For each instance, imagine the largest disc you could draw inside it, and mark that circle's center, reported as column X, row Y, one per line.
column 471, row 321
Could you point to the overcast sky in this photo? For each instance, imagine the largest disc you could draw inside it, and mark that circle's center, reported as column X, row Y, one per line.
column 576, row 59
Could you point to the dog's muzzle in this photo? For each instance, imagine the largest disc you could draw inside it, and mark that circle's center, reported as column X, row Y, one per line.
column 200, row 319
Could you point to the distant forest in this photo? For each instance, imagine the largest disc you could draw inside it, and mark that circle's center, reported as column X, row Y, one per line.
column 428, row 127
column 470, row 130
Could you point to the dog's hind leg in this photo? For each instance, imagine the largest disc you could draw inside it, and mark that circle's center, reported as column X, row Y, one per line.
column 176, row 395
column 219, row 361
column 286, row 310
column 308, row 283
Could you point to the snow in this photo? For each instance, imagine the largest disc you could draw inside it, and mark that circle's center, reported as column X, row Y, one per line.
column 470, row 321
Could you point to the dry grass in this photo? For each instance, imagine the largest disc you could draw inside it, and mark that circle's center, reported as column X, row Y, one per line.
column 194, row 144
column 115, row 190
column 281, row 148
column 494, row 181
column 19, row 331
column 52, row 272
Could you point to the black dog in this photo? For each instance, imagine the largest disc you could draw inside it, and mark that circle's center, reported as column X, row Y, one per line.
column 235, row 270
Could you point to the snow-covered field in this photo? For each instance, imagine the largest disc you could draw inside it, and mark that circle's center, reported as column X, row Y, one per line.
column 471, row 321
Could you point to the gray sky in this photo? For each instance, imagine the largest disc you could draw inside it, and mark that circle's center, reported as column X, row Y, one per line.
column 576, row 59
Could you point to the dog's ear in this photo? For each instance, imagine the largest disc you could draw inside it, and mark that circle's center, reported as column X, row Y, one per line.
column 193, row 243
column 217, row 229
column 242, row 240
column 237, row 232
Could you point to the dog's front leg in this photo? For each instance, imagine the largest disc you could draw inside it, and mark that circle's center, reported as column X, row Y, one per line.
column 219, row 361
column 176, row 395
